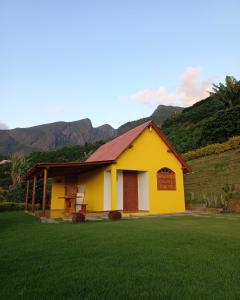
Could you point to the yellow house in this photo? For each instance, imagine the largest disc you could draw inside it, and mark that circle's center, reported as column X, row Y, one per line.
column 138, row 172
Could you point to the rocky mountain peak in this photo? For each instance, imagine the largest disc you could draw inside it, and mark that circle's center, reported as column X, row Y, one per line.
column 61, row 134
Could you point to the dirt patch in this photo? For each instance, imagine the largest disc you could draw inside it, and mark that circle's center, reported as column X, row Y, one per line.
column 234, row 205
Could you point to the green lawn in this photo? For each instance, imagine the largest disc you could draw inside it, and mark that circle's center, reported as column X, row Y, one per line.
column 161, row 258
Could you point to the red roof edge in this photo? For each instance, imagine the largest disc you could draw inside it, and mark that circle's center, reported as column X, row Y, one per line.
column 186, row 168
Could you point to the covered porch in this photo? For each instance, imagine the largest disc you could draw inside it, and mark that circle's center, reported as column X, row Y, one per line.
column 68, row 196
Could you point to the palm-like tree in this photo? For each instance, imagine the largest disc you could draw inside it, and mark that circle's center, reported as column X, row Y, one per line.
column 229, row 93
column 19, row 168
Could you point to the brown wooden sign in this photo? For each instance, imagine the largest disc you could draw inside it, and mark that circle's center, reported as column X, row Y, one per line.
column 166, row 181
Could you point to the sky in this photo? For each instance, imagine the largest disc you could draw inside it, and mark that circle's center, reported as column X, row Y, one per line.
column 111, row 61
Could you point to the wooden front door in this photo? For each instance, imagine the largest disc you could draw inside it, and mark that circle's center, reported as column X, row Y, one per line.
column 130, row 191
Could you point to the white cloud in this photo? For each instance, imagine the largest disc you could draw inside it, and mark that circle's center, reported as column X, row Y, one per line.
column 153, row 97
column 56, row 110
column 192, row 86
column 3, row 126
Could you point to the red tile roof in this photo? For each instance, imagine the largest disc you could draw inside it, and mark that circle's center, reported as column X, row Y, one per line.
column 111, row 150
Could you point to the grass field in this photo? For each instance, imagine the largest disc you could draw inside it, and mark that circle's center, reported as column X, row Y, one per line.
column 183, row 257
column 211, row 174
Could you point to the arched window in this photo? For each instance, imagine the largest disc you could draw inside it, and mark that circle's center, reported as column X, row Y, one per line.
column 166, row 179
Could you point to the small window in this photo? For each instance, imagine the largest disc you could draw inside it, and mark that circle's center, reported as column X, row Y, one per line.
column 166, row 180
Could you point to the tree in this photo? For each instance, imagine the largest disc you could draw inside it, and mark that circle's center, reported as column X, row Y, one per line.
column 229, row 93
column 19, row 167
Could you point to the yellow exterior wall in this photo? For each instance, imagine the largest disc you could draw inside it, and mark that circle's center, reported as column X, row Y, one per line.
column 93, row 183
column 57, row 203
column 94, row 189
column 149, row 153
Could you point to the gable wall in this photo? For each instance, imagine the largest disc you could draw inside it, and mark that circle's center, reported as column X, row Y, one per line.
column 149, row 153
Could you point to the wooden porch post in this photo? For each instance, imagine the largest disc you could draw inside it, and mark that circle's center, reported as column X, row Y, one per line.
column 27, row 192
column 45, row 177
column 34, row 193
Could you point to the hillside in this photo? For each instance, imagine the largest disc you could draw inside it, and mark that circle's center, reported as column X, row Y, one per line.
column 62, row 134
column 211, row 175
column 206, row 122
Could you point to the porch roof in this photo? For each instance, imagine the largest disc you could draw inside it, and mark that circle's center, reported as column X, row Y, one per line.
column 61, row 169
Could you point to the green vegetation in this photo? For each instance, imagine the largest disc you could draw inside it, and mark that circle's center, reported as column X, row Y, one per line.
column 232, row 143
column 9, row 206
column 12, row 189
column 65, row 154
column 19, row 167
column 161, row 258
column 221, row 126
column 212, row 176
column 229, row 93
column 204, row 123
column 5, row 179
column 185, row 130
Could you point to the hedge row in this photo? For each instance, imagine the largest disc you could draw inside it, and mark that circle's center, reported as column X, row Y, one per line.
column 10, row 206
column 232, row 143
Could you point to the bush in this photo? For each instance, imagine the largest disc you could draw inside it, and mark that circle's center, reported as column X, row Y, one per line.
column 232, row 143
column 114, row 215
column 37, row 206
column 221, row 126
column 11, row 206
column 16, row 194
column 78, row 217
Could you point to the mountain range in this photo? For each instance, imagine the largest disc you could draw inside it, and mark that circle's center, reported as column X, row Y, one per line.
column 61, row 134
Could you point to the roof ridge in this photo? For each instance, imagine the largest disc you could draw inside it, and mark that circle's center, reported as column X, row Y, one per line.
column 118, row 144
column 127, row 132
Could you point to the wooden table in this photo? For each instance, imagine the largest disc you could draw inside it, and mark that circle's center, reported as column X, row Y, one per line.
column 68, row 199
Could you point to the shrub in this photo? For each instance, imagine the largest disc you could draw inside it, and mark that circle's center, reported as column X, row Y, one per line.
column 15, row 193
column 114, row 215
column 37, row 206
column 232, row 143
column 11, row 206
column 78, row 217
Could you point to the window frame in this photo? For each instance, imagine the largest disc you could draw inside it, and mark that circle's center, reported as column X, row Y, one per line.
column 166, row 180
